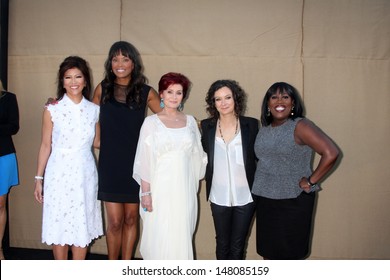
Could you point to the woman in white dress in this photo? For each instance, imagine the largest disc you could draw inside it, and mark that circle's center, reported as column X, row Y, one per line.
column 168, row 165
column 71, row 212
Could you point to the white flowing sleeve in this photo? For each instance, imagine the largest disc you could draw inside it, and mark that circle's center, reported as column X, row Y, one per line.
column 144, row 154
column 199, row 158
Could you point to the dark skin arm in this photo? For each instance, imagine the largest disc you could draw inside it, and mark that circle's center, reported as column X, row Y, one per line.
column 97, row 95
column 307, row 133
column 154, row 101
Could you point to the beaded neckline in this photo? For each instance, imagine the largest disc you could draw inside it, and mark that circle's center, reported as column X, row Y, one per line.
column 220, row 130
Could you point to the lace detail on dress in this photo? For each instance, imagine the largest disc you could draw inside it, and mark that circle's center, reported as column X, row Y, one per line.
column 120, row 93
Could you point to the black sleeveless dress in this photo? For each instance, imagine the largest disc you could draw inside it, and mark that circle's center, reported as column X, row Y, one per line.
column 120, row 126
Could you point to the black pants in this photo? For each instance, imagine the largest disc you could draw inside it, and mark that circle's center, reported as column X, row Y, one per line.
column 231, row 228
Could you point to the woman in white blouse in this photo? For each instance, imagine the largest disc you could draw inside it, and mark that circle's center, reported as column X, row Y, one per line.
column 228, row 139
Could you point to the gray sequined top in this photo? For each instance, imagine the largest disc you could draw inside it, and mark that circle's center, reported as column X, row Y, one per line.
column 282, row 162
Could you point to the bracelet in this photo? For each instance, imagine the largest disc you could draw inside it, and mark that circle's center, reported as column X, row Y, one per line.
column 38, row 177
column 310, row 183
column 146, row 193
column 313, row 186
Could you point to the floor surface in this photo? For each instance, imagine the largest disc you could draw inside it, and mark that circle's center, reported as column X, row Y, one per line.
column 37, row 254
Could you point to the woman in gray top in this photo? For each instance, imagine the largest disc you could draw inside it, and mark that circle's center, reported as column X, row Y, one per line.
column 285, row 183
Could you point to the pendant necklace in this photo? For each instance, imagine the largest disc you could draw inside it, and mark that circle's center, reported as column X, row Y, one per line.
column 220, row 130
column 169, row 118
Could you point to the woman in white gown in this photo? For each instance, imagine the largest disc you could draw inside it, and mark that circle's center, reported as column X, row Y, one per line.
column 169, row 163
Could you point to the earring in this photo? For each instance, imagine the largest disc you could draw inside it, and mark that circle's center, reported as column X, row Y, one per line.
column 292, row 111
column 162, row 105
column 180, row 108
column 268, row 112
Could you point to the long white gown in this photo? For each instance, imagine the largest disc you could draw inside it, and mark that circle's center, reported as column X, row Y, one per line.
column 172, row 160
column 71, row 212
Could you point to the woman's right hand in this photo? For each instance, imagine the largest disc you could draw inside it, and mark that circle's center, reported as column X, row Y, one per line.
column 38, row 192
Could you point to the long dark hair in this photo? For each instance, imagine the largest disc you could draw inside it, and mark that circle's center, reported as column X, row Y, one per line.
column 137, row 79
column 69, row 63
column 282, row 88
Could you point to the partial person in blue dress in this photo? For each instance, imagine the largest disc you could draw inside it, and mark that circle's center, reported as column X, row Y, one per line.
column 9, row 125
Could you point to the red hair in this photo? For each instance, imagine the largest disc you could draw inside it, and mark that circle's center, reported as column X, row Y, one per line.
column 172, row 79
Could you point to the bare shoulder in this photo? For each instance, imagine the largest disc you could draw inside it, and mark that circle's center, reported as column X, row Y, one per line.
column 153, row 95
column 304, row 124
column 305, row 130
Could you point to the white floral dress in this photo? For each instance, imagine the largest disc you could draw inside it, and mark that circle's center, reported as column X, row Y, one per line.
column 71, row 212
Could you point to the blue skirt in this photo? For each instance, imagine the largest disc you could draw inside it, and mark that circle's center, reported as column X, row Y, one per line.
column 9, row 175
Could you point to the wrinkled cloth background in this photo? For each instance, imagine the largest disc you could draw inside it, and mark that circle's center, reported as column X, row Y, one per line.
column 336, row 53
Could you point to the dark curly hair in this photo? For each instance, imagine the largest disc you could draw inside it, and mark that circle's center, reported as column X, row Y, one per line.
column 137, row 79
column 282, row 88
column 239, row 97
column 69, row 63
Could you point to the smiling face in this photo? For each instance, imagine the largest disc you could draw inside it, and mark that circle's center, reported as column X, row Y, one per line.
column 122, row 66
column 74, row 82
column 173, row 96
column 280, row 105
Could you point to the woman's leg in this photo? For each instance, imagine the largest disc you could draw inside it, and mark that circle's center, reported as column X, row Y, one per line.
column 79, row 253
column 130, row 230
column 242, row 217
column 3, row 220
column 223, row 227
column 60, row 252
column 115, row 219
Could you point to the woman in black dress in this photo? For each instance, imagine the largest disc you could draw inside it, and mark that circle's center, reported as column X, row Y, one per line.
column 123, row 97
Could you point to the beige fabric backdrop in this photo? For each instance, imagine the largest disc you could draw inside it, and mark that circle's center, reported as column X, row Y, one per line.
column 336, row 52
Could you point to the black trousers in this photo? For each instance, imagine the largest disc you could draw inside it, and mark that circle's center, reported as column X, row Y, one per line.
column 231, row 227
